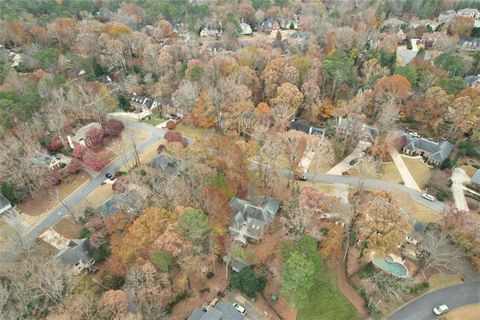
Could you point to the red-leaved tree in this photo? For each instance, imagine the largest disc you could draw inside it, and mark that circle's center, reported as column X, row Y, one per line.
column 173, row 136
column 55, row 145
column 74, row 166
column 96, row 161
column 113, row 128
column 94, row 138
column 171, row 124
column 78, row 150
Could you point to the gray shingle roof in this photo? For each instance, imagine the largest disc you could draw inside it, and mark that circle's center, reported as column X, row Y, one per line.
column 439, row 150
column 308, row 129
column 148, row 102
column 77, row 250
column 164, row 162
column 221, row 311
column 476, row 177
column 4, row 204
column 118, row 202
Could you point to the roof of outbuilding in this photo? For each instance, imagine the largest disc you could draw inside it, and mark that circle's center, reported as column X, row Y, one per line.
column 476, row 177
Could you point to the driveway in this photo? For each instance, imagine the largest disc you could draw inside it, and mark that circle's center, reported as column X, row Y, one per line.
column 344, row 165
column 376, row 184
column 253, row 313
column 454, row 297
column 459, row 178
column 404, row 172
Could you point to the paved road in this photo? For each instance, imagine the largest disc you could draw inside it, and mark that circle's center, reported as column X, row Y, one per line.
column 454, row 297
column 376, row 184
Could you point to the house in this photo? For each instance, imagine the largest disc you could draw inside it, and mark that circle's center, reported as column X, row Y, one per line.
column 347, row 127
column 46, row 160
column 245, row 29
column 5, row 205
column 218, row 311
column 473, row 81
column 433, row 152
column 165, row 163
column 77, row 254
column 250, row 221
column 469, row 44
column 143, row 103
column 120, row 202
column 269, row 25
column 308, row 129
column 238, row 264
column 469, row 13
column 290, row 24
column 80, row 136
column 211, row 30
column 475, row 180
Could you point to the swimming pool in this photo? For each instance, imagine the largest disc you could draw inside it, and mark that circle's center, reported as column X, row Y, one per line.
column 394, row 268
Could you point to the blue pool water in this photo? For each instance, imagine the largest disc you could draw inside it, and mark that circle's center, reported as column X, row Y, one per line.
column 394, row 268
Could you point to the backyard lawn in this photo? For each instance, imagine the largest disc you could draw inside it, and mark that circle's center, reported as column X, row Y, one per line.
column 326, row 300
column 192, row 132
column 416, row 210
column 389, row 172
column 419, row 170
column 442, row 280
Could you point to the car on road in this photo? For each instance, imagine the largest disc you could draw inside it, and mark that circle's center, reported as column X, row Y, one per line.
column 361, row 155
column 353, row 161
column 428, row 196
column 439, row 310
column 109, row 176
column 301, row 177
column 239, row 308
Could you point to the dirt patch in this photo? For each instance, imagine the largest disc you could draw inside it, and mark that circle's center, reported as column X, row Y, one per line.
column 469, row 312
column 468, row 170
column 45, row 200
column 68, row 228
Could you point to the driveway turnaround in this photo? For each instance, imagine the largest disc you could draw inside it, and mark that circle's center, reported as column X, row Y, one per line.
column 454, row 297
column 459, row 178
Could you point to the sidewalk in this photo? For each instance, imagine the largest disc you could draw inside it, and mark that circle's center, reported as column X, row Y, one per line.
column 403, row 170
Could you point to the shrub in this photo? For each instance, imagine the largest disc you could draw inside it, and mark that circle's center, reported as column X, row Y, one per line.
column 247, row 281
column 78, row 150
column 112, row 282
column 469, row 148
column 161, row 148
column 94, row 136
column 84, row 233
column 74, row 166
column 55, row 145
column 443, row 195
column 171, row 124
column 173, row 136
column 113, row 128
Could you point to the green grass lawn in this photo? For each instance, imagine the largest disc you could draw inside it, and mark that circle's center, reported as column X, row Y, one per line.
column 154, row 119
column 419, row 171
column 326, row 302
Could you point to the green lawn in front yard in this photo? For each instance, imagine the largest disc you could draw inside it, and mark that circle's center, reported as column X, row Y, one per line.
column 326, row 302
column 192, row 132
column 154, row 119
column 389, row 172
column 419, row 170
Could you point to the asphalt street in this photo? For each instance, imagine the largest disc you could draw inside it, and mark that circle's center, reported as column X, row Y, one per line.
column 453, row 297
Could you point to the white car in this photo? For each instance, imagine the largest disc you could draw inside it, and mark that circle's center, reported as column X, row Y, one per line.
column 361, row 155
column 239, row 308
column 428, row 196
column 411, row 240
column 440, row 310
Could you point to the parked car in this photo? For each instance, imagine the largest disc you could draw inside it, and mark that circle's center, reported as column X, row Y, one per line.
column 442, row 309
column 301, row 177
column 109, row 176
column 428, row 196
column 239, row 308
column 361, row 155
column 353, row 161
column 411, row 240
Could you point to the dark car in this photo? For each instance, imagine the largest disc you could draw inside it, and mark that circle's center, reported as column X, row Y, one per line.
column 108, row 175
column 301, row 177
column 353, row 161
